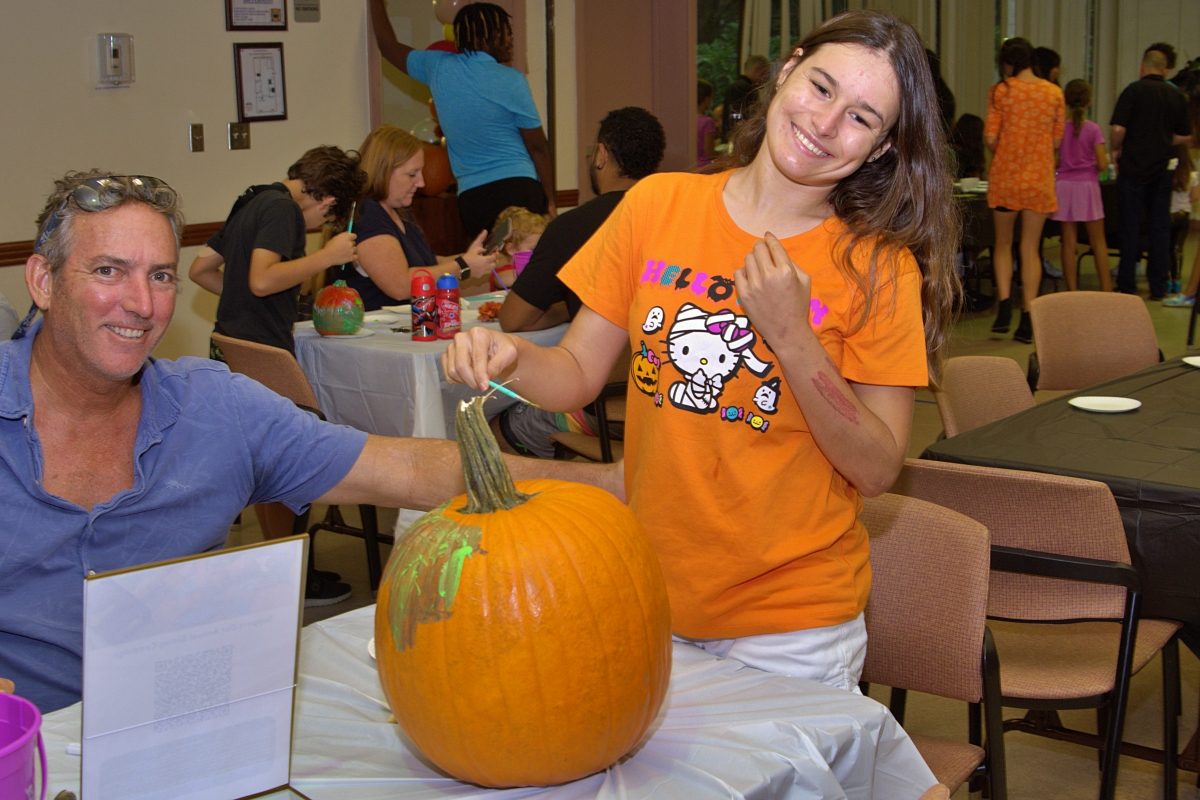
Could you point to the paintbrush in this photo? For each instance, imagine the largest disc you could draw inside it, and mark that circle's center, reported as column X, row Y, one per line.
column 512, row 394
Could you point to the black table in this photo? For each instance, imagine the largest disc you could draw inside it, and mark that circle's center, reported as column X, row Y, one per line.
column 1149, row 457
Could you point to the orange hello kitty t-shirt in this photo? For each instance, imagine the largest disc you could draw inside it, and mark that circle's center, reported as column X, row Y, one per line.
column 756, row 532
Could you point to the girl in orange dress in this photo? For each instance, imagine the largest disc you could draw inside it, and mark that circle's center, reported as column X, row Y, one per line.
column 1024, row 128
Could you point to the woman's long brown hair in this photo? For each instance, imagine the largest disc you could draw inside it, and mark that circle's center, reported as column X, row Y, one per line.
column 905, row 198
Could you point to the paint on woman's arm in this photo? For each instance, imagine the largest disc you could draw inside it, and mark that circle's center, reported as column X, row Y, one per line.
column 833, row 395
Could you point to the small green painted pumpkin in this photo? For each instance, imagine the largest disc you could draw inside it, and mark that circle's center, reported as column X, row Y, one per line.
column 338, row 311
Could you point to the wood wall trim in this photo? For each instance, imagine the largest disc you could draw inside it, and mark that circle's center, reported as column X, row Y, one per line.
column 14, row 254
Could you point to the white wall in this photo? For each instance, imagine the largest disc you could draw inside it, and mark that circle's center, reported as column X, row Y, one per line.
column 56, row 120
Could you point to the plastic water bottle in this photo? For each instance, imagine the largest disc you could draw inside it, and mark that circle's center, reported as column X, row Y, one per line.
column 424, row 307
column 449, row 315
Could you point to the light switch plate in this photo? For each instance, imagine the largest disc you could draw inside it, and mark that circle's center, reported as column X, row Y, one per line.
column 239, row 136
column 306, row 10
column 196, row 137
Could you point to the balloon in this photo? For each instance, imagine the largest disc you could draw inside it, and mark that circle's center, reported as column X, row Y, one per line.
column 448, row 32
column 425, row 130
column 448, row 47
column 437, row 174
column 445, row 10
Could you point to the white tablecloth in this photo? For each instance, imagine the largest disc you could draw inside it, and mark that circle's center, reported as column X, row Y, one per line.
column 390, row 385
column 725, row 731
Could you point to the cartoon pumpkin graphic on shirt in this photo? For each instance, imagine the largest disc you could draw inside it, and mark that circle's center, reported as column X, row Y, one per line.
column 708, row 349
column 645, row 366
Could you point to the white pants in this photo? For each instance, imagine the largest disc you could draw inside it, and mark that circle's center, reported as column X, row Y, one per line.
column 832, row 655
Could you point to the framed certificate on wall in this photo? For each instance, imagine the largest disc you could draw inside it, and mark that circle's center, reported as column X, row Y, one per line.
column 258, row 72
column 256, row 15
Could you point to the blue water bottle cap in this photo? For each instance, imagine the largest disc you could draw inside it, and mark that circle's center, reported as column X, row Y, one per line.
column 447, row 281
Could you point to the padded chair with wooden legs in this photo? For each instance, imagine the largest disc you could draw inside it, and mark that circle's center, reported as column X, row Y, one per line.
column 1084, row 338
column 976, row 390
column 278, row 370
column 608, row 407
column 926, row 622
column 1065, row 604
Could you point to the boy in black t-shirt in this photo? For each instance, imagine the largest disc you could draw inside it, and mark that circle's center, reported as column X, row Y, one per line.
column 261, row 250
column 261, row 246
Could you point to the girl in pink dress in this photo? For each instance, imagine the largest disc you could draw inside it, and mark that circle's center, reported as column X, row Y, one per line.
column 1081, row 158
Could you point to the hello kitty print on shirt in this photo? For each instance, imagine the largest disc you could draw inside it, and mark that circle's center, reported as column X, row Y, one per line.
column 708, row 349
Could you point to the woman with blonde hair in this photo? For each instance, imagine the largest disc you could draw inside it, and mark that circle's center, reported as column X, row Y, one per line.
column 782, row 314
column 390, row 243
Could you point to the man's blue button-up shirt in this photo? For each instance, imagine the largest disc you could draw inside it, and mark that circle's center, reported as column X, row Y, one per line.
column 208, row 444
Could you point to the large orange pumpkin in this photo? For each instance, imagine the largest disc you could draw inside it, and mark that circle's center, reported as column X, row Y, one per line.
column 522, row 633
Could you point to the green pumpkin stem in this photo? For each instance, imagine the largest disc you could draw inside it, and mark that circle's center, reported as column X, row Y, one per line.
column 489, row 483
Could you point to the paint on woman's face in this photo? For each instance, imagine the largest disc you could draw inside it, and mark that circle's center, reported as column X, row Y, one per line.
column 423, row 573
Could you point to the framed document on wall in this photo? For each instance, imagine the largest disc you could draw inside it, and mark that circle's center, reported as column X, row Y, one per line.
column 258, row 72
column 256, row 15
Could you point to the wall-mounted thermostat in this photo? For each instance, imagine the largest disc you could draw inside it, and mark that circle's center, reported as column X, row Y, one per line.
column 115, row 52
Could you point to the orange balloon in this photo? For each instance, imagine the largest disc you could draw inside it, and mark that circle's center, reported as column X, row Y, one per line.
column 437, row 174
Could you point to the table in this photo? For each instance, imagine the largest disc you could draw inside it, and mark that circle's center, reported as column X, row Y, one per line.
column 388, row 384
column 726, row 730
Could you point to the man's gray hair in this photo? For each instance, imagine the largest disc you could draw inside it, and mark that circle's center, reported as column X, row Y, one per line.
column 55, row 239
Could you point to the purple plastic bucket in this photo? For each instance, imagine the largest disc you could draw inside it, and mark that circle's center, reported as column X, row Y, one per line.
column 20, row 728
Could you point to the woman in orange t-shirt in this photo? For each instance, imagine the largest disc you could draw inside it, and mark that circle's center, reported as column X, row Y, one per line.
column 1024, row 128
column 782, row 314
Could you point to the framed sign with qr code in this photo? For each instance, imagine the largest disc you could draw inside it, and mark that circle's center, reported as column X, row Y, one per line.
column 256, row 15
column 189, row 674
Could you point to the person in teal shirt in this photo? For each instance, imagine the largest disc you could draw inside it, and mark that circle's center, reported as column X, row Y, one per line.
column 498, row 149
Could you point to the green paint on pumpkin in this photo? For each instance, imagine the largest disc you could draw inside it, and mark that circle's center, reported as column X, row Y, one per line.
column 425, row 568
column 423, row 574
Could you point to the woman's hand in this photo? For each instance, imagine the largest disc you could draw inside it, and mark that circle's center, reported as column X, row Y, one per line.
column 476, row 356
column 774, row 291
column 479, row 263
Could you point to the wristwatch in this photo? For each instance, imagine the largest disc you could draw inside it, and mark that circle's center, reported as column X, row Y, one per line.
column 464, row 268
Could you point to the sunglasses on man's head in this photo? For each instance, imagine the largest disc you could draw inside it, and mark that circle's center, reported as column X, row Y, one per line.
column 96, row 194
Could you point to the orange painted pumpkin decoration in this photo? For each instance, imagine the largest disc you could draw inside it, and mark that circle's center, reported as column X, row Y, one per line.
column 522, row 632
column 436, row 172
column 338, row 310
column 645, row 366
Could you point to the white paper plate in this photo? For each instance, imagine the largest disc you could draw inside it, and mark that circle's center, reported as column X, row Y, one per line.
column 1106, row 405
column 1192, row 361
column 402, row 309
column 386, row 319
column 365, row 332
column 371, row 647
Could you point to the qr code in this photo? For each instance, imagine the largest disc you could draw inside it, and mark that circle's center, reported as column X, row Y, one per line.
column 192, row 688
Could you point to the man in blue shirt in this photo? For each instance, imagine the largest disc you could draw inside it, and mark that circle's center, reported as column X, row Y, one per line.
column 498, row 150
column 111, row 459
